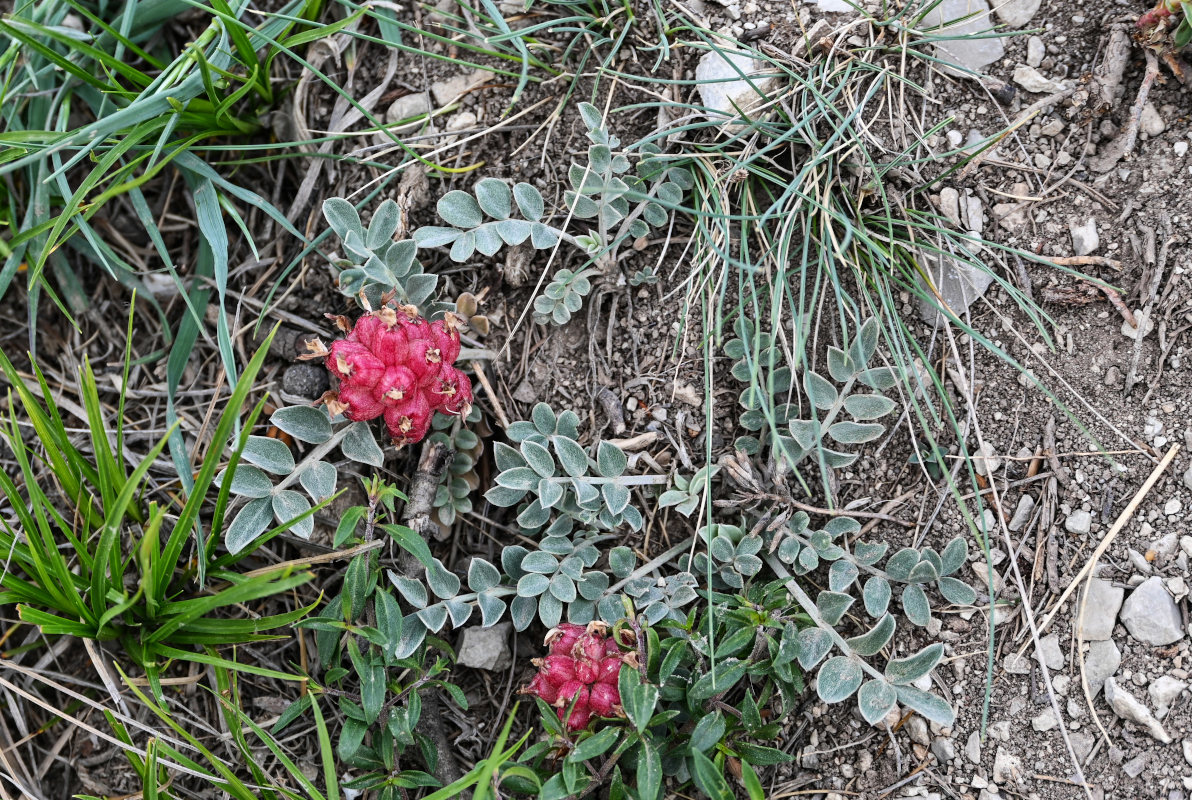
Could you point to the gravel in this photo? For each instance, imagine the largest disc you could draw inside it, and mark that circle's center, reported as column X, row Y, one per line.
column 1151, row 615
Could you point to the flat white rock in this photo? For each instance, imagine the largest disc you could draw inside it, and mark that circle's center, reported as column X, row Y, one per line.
column 1151, row 615
column 1017, row 13
column 964, row 47
column 723, row 88
column 1032, row 80
column 1131, row 709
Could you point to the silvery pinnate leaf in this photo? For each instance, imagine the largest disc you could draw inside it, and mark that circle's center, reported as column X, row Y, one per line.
column 868, row 406
column 433, row 236
column 808, row 560
column 550, row 610
column 837, row 460
column 460, row 209
column 880, row 378
column 956, row 592
column 360, row 445
column 522, row 611
column 532, row 584
column 838, row 678
column 271, row 455
column 511, row 559
column 549, row 492
column 929, row 554
column 593, row 585
column 876, row 595
column 539, row 458
column 923, row 572
column 875, row 700
column 872, row 641
column 342, row 217
column 492, row 608
column 482, row 575
column 383, row 225
column 513, row 231
column 900, row 564
column 503, row 496
column 832, row 605
column 616, row 497
column 747, row 564
column 840, row 367
column 463, row 247
column 788, row 551
column 954, row 555
column 488, row 241
column 459, row 611
column 819, row 390
column 318, row 479
column 855, row 432
column 412, row 590
column 250, row 523
column 529, row 201
column 901, row 671
column 929, row 706
column 542, row 236
column 581, row 612
column 247, row 482
column 563, row 587
column 841, row 575
column 540, row 561
column 303, row 423
column 494, row 197
column 621, row 561
column 915, row 605
column 520, row 478
column 442, row 581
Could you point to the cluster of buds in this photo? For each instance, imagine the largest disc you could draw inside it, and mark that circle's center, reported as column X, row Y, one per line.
column 397, row 365
column 579, row 674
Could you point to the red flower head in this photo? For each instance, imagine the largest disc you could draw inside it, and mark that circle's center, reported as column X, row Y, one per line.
column 579, row 675
column 393, row 363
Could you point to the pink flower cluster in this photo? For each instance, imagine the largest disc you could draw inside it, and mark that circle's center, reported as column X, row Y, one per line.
column 582, row 665
column 395, row 364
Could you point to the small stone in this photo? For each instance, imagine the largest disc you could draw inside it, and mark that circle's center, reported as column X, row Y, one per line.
column 1129, row 708
column 1151, row 615
column 1022, row 513
column 1188, row 478
column 1079, row 522
column 963, row 45
column 1032, row 80
column 1053, row 657
column 1016, row 664
column 1101, row 610
column 1053, row 127
column 1139, row 562
column 974, row 214
column 972, row 748
column 1180, row 149
column 1166, row 545
column 411, row 105
column 1082, row 744
column 959, row 283
column 1017, row 13
column 1006, row 768
column 1036, row 51
column 950, row 198
column 1084, row 237
column 1045, row 721
column 1135, row 766
column 1187, row 747
column 451, row 89
column 985, row 461
column 308, row 381
column 916, row 728
column 1173, row 506
column 943, row 749
column 486, row 648
column 1144, row 327
column 1163, row 691
column 1151, row 123
column 722, row 90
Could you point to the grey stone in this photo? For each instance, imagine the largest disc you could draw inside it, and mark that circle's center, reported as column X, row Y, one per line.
column 916, row 728
column 1138, row 561
column 1173, row 506
column 1034, row 81
column 1131, row 709
column 485, row 648
column 1136, row 765
column 451, row 89
column 411, row 105
column 1163, row 691
column 1150, row 121
column 722, row 89
column 943, row 749
column 1006, row 768
column 1082, row 744
column 1151, row 615
column 1053, row 657
column 1036, row 51
column 974, row 213
column 1166, row 545
column 1188, row 478
column 950, row 201
column 1022, row 514
column 985, row 461
column 1101, row 662
column 308, row 381
column 1187, row 748
column 972, row 748
column 1085, row 239
column 1079, row 522
column 1016, row 664
column 1017, row 13
column 1145, row 325
column 1101, row 609
column 1045, row 721
column 963, row 47
column 959, row 285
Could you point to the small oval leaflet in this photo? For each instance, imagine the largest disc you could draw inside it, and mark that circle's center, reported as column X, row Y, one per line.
column 838, row 678
column 303, row 423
